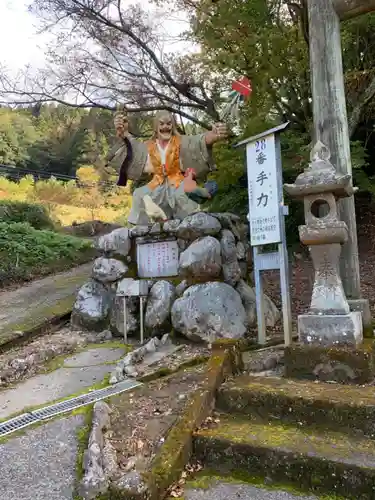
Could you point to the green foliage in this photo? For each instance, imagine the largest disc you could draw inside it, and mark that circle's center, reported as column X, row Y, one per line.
column 26, row 252
column 266, row 41
column 17, row 134
column 16, row 211
column 66, row 202
column 58, row 140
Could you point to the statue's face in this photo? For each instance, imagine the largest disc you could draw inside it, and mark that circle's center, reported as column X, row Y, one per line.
column 165, row 127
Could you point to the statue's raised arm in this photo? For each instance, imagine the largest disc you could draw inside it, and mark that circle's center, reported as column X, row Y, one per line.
column 166, row 156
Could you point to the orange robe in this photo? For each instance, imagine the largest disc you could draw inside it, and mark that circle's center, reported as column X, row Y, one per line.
column 172, row 168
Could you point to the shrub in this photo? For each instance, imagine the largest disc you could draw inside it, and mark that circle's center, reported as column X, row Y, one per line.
column 33, row 214
column 26, row 252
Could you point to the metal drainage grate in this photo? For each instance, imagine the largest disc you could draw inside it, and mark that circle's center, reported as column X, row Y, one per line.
column 26, row 419
column 17, row 423
column 84, row 399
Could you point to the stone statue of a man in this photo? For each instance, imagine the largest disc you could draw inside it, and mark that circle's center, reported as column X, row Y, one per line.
column 165, row 157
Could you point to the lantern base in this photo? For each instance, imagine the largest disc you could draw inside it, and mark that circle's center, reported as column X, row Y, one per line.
column 331, row 329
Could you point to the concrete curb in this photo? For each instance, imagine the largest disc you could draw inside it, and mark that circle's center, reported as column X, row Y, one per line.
column 99, row 459
column 176, row 451
column 60, row 314
column 32, row 309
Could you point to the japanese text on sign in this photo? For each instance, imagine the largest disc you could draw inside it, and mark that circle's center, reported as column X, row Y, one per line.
column 158, row 259
column 264, row 210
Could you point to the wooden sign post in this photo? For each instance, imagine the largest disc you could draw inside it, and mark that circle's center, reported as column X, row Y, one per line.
column 330, row 118
column 266, row 218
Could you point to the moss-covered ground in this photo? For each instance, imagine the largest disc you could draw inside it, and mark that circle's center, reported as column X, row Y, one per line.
column 207, row 478
column 334, row 406
column 317, row 460
column 308, row 440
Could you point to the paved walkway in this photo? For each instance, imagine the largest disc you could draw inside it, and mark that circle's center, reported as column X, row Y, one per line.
column 29, row 306
column 80, row 371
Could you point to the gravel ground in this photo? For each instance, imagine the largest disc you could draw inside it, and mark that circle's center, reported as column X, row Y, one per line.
column 141, row 418
column 40, row 465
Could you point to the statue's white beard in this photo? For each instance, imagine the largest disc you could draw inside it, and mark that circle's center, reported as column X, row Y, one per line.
column 165, row 136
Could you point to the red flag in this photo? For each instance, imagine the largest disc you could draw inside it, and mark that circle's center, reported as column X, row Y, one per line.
column 242, row 86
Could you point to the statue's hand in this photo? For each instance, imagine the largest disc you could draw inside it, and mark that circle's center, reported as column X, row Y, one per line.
column 220, row 130
column 121, row 124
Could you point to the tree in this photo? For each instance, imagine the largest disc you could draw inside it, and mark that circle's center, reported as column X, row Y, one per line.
column 113, row 55
column 89, row 194
column 268, row 42
column 16, row 135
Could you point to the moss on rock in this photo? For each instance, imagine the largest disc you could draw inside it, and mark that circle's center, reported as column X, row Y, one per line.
column 322, row 462
column 340, row 364
column 336, row 406
column 206, row 478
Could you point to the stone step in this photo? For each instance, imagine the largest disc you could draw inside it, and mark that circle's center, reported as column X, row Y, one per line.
column 322, row 462
column 331, row 406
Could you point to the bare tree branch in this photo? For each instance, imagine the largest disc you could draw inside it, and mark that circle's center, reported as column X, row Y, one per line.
column 106, row 55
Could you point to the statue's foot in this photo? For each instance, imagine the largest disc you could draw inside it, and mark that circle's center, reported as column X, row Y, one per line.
column 153, row 211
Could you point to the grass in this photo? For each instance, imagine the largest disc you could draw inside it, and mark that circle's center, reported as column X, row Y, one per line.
column 26, row 253
column 67, row 214
column 66, row 211
column 207, row 478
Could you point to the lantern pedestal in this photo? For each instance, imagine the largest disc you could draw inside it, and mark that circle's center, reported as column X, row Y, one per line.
column 330, row 329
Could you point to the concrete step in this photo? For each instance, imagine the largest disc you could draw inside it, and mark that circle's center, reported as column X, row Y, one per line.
column 331, row 406
column 323, row 462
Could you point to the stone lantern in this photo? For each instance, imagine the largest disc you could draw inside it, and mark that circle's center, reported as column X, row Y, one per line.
column 329, row 320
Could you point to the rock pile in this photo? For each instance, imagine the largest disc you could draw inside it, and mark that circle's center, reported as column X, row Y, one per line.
column 209, row 299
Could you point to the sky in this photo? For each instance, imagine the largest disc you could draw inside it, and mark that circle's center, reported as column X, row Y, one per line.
column 19, row 42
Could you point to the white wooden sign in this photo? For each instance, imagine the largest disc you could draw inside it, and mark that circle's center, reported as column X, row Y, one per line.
column 266, row 217
column 129, row 287
column 158, row 259
column 264, row 204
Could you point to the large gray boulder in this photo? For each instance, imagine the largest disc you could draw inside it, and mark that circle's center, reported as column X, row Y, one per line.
column 181, row 287
column 232, row 272
column 159, row 304
column 197, row 225
column 230, row 221
column 116, row 316
column 271, row 313
column 201, row 260
column 108, row 270
column 92, row 305
column 241, row 251
column 208, row 312
column 171, row 226
column 117, row 242
column 231, row 267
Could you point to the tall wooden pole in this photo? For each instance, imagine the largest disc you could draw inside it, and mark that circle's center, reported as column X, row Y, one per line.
column 330, row 120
